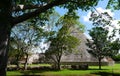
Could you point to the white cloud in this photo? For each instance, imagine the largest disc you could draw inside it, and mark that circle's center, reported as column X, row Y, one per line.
column 86, row 18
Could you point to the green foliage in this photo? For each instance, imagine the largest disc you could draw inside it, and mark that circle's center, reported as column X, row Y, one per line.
column 113, row 4
column 15, row 51
column 102, row 44
column 101, row 20
column 62, row 42
column 116, row 57
column 24, row 37
column 71, row 4
column 82, row 4
column 27, row 32
column 115, row 47
column 99, row 46
column 71, row 19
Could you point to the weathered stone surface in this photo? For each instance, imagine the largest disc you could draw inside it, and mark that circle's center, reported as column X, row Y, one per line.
column 80, row 54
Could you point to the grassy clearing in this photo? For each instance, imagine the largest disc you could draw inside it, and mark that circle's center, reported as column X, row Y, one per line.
column 30, row 65
column 93, row 71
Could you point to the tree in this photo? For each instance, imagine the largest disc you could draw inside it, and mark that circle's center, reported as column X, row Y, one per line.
column 102, row 44
column 13, row 12
column 29, row 37
column 99, row 46
column 16, row 47
column 63, row 42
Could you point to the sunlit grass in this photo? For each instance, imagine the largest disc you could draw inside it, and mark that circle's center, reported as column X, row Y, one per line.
column 30, row 65
column 65, row 72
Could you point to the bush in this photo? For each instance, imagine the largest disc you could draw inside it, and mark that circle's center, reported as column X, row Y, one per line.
column 79, row 67
column 12, row 68
column 83, row 67
column 74, row 66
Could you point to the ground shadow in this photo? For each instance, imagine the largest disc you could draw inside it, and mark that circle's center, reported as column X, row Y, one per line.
column 33, row 71
column 40, row 70
column 106, row 74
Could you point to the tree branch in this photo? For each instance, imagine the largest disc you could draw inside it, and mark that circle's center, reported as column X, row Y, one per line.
column 37, row 11
column 25, row 7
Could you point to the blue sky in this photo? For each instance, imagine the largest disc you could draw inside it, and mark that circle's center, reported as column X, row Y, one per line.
column 84, row 14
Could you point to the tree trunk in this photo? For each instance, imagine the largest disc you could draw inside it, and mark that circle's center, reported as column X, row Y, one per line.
column 26, row 62
column 58, row 66
column 99, row 63
column 58, row 63
column 17, row 62
column 4, row 42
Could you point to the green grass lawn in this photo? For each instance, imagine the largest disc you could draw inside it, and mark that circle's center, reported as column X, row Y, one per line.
column 93, row 71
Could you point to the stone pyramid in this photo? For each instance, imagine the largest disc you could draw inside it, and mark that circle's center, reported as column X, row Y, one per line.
column 80, row 54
